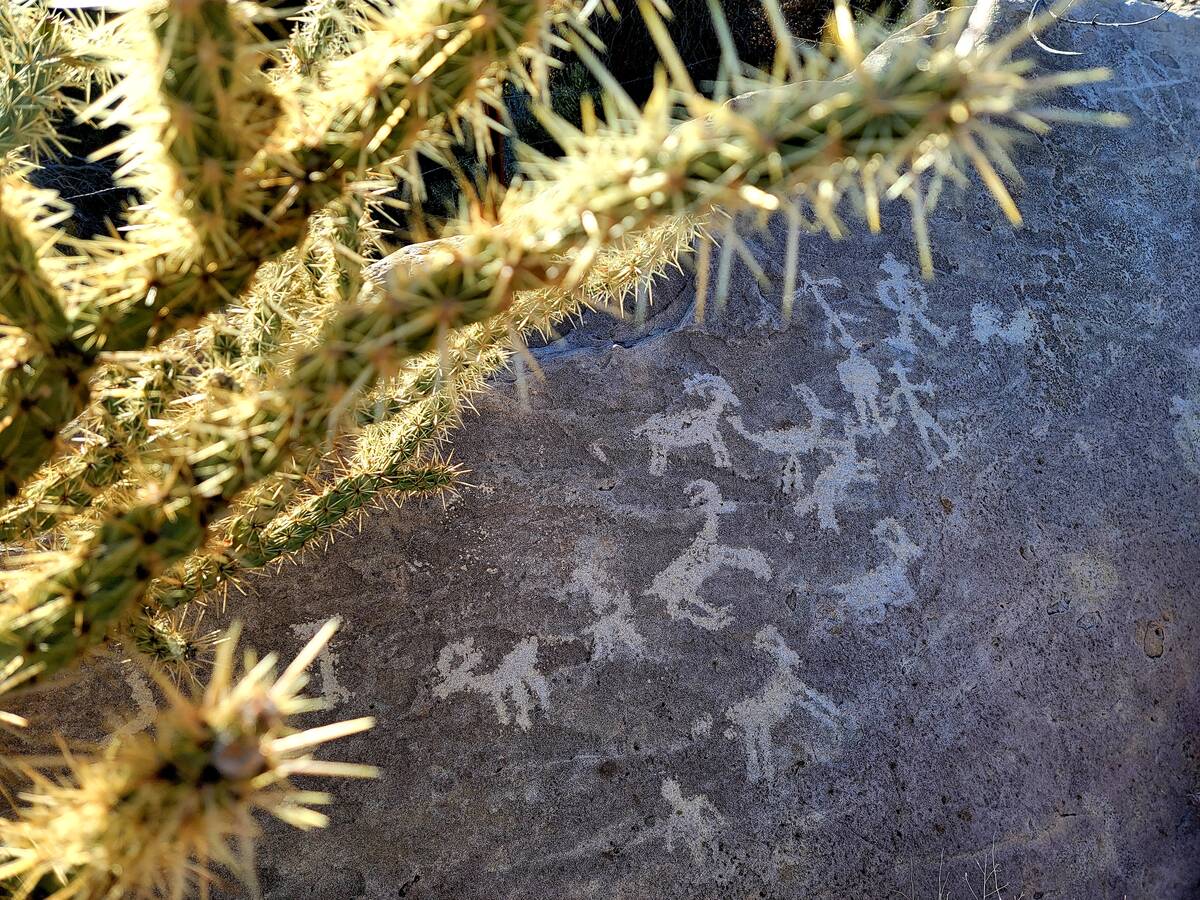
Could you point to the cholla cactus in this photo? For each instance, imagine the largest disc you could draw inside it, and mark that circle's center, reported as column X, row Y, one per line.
column 150, row 814
column 239, row 373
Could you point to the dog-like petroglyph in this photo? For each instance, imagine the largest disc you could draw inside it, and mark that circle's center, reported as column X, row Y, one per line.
column 613, row 633
column 758, row 714
column 693, row 822
column 692, row 427
column 905, row 296
column 794, row 442
column 986, row 326
column 515, row 683
column 869, row 595
column 679, row 584
column 905, row 395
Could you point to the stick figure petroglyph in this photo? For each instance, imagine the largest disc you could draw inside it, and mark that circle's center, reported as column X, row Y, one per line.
column 869, row 595
column 679, row 583
column 693, row 426
column 906, row 297
column 515, row 681
column 925, row 423
column 693, row 820
column 759, row 713
column 832, row 485
column 794, row 442
column 858, row 375
column 614, row 631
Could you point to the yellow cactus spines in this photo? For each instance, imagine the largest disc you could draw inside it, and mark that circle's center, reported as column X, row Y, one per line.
column 41, row 373
column 153, row 814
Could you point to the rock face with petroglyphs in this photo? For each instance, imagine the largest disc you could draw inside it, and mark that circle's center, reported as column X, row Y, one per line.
column 846, row 606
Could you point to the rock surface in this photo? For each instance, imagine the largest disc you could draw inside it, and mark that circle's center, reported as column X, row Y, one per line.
column 896, row 596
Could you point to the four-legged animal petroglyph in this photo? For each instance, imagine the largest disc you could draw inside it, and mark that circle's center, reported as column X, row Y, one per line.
column 516, row 681
column 906, row 297
column 833, row 484
column 614, row 632
column 795, row 442
column 759, row 713
column 870, row 594
column 693, row 426
column 925, row 423
column 679, row 583
column 693, row 820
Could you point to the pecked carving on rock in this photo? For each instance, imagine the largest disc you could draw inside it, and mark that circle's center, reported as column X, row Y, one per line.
column 840, row 607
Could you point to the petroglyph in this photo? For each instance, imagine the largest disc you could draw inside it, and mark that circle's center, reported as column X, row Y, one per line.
column 759, row 713
column 858, row 375
column 692, row 427
column 870, row 594
column 516, row 682
column 679, row 584
column 986, row 325
column 143, row 699
column 927, row 426
column 693, row 821
column 1187, row 430
column 613, row 633
column 332, row 690
column 832, row 486
column 906, row 297
column 794, row 442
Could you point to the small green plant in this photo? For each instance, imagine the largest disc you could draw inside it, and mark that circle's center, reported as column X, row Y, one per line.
column 244, row 368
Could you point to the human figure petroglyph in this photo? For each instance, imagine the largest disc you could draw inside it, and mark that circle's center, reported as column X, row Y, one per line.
column 516, row 681
column 692, row 427
column 858, row 375
column 833, row 484
column 613, row 632
column 759, row 713
column 679, row 583
column 906, row 297
column 869, row 595
column 794, row 442
column 694, row 821
column 906, row 392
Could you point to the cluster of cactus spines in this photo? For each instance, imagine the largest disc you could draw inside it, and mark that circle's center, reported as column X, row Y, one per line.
column 150, row 815
column 236, row 381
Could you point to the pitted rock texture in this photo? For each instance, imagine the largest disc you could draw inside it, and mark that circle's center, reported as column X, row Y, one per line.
column 893, row 596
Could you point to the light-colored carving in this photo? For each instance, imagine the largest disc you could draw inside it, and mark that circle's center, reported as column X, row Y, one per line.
column 516, row 682
column 679, row 584
column 332, row 690
column 692, row 427
column 792, row 443
column 613, row 632
column 869, row 595
column 906, row 393
column 985, row 325
column 1187, row 430
column 759, row 713
column 143, row 699
column 858, row 375
column 833, row 484
column 905, row 296
column 693, row 821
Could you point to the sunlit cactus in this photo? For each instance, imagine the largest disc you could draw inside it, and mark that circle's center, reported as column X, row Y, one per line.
column 244, row 364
